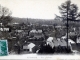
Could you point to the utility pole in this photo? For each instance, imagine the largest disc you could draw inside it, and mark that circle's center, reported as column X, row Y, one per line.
column 67, row 24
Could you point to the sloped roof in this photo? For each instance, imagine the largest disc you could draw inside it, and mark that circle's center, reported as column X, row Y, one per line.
column 35, row 31
column 39, row 31
column 31, row 45
column 70, row 41
column 50, row 39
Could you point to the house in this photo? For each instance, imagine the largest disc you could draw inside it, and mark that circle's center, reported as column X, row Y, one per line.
column 36, row 33
column 56, row 42
column 19, row 30
column 78, row 40
column 72, row 44
column 63, row 37
column 71, row 41
column 73, row 36
column 50, row 42
column 31, row 47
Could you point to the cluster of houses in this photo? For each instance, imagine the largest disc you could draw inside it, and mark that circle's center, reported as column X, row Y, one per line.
column 38, row 38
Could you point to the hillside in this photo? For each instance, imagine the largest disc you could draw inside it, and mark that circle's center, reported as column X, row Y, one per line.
column 31, row 20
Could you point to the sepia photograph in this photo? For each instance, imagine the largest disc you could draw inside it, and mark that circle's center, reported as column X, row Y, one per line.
column 41, row 27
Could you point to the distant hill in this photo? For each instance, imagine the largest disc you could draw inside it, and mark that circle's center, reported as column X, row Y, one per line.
column 31, row 20
column 18, row 20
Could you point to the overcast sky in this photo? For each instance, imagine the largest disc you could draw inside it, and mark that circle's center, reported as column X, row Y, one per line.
column 43, row 9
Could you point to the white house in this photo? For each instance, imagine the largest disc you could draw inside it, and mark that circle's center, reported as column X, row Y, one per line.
column 36, row 33
column 78, row 40
column 50, row 42
column 72, row 44
column 31, row 47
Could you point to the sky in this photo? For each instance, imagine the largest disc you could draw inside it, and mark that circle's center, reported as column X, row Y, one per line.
column 41, row 9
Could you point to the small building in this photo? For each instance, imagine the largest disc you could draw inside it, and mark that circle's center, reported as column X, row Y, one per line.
column 31, row 47
column 19, row 30
column 50, row 42
column 63, row 37
column 73, row 36
column 36, row 33
column 71, row 41
column 72, row 44
column 78, row 40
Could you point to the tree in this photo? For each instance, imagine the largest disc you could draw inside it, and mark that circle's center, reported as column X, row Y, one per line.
column 69, row 9
column 5, row 18
column 5, row 15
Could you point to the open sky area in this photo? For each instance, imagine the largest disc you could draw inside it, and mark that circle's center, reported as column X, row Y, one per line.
column 41, row 9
